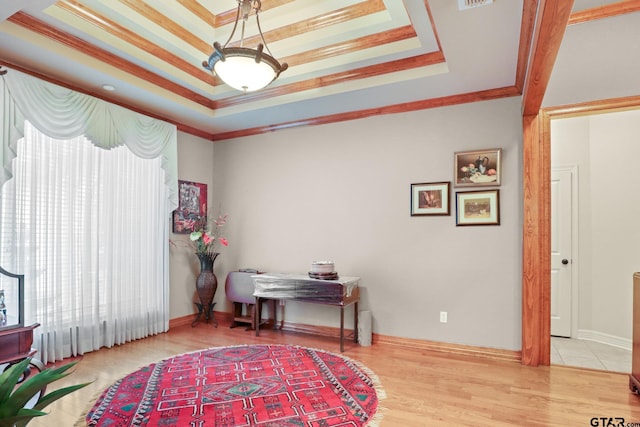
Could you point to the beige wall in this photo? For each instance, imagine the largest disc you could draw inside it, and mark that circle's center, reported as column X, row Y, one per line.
column 195, row 163
column 580, row 75
column 341, row 192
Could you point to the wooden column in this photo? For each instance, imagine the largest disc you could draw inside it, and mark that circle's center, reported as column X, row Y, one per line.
column 536, row 262
column 550, row 26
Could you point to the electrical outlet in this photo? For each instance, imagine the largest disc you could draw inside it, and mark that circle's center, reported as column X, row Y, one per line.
column 443, row 317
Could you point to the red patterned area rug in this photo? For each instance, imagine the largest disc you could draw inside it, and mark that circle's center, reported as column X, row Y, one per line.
column 252, row 385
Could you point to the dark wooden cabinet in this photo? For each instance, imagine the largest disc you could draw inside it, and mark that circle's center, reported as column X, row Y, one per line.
column 634, row 378
column 15, row 338
column 15, row 344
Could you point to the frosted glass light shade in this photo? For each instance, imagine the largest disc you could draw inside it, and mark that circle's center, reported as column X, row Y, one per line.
column 244, row 73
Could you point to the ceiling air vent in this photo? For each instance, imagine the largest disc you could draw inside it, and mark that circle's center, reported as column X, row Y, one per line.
column 470, row 4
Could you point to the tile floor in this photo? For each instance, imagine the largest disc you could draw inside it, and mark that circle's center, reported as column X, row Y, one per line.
column 589, row 354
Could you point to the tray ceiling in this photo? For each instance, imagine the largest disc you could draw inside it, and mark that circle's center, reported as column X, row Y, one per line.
column 344, row 56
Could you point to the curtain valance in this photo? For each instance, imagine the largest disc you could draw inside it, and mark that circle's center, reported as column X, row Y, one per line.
column 62, row 113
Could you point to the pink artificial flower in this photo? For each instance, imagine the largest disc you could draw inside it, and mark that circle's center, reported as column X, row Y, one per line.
column 206, row 238
column 224, row 241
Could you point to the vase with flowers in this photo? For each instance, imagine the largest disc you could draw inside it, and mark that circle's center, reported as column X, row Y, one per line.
column 205, row 239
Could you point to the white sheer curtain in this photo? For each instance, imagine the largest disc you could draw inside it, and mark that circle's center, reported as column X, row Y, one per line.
column 89, row 235
column 62, row 113
column 87, row 226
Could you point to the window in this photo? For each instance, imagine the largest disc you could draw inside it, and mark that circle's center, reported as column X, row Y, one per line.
column 87, row 227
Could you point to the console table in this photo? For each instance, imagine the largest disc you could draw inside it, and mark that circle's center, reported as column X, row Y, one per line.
column 341, row 292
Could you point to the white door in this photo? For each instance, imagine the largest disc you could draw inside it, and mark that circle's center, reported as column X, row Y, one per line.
column 561, row 262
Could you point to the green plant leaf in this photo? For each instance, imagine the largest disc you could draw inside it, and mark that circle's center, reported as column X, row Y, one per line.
column 8, row 381
column 23, row 394
column 21, row 418
column 13, row 398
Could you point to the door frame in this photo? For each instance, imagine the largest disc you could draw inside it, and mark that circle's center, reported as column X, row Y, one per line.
column 575, row 255
column 536, row 235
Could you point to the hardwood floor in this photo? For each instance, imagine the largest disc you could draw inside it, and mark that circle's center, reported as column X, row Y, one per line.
column 423, row 388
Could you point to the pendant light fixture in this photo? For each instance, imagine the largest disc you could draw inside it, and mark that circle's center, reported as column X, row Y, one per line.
column 241, row 67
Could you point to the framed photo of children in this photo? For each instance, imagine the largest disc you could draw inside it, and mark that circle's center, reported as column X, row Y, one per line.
column 192, row 207
column 430, row 198
column 477, row 168
column 478, row 207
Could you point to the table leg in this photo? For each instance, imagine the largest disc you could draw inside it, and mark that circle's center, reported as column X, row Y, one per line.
column 341, row 328
column 355, row 322
column 281, row 303
column 258, row 316
column 274, row 307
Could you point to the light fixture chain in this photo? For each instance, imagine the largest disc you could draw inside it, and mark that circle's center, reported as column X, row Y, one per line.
column 242, row 33
column 235, row 25
column 264, row 42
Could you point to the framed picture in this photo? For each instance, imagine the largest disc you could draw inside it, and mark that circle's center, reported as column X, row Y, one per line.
column 430, row 199
column 477, row 168
column 478, row 207
column 192, row 206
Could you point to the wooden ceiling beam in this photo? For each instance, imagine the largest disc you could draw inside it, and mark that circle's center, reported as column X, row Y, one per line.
column 606, row 11
column 339, row 16
column 605, row 106
column 131, row 37
column 529, row 11
column 550, row 27
column 200, row 11
column 351, row 46
column 162, row 21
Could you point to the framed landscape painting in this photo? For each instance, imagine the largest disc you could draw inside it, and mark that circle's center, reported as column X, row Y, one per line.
column 477, row 168
column 192, row 206
column 430, row 199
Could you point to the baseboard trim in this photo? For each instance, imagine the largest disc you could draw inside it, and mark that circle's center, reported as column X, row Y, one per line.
column 601, row 337
column 180, row 321
column 409, row 343
column 448, row 348
column 415, row 344
column 186, row 320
